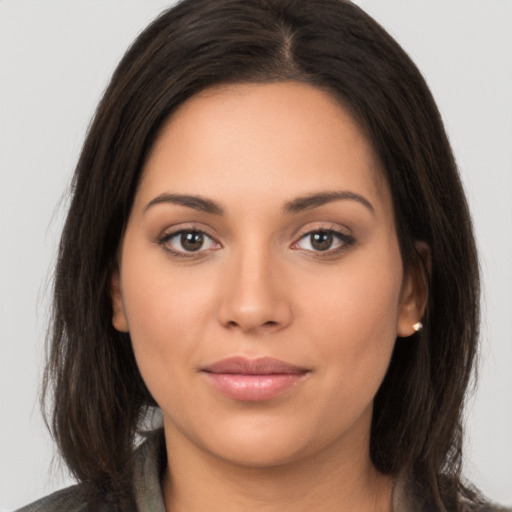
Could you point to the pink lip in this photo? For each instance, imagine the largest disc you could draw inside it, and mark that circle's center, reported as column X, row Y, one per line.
column 253, row 380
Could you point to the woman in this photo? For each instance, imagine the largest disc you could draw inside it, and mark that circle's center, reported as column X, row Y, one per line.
column 264, row 243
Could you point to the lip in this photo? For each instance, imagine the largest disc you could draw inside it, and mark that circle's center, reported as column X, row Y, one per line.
column 253, row 380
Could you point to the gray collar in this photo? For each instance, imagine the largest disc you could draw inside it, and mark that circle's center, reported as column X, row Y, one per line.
column 150, row 463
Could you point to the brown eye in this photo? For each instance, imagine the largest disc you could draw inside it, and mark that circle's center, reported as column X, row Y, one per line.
column 186, row 242
column 321, row 240
column 192, row 241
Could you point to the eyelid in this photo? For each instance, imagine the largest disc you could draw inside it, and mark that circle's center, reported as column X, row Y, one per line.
column 342, row 235
column 171, row 232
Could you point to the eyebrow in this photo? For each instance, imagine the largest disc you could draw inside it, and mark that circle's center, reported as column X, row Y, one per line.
column 296, row 205
column 195, row 202
column 315, row 200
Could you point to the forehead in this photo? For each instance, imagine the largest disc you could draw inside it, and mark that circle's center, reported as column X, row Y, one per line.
column 288, row 136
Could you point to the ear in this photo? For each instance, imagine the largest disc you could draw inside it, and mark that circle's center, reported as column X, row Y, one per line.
column 119, row 320
column 414, row 291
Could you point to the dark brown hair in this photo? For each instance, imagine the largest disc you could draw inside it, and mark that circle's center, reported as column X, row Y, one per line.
column 99, row 398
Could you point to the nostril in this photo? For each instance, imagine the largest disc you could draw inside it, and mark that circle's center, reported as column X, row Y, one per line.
column 269, row 323
column 251, row 312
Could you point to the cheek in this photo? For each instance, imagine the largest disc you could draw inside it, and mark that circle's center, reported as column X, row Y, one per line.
column 354, row 322
column 167, row 317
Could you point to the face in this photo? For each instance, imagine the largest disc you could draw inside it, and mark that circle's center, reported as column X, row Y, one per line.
column 260, row 276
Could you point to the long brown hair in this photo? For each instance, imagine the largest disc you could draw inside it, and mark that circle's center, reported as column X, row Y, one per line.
column 99, row 398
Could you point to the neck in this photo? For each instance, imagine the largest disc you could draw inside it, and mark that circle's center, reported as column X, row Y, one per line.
column 329, row 480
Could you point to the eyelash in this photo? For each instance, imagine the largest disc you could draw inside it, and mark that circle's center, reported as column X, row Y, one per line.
column 344, row 240
column 167, row 237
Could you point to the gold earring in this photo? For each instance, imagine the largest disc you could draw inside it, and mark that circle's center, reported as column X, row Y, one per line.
column 417, row 326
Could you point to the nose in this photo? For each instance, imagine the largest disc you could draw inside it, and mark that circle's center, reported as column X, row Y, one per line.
column 254, row 295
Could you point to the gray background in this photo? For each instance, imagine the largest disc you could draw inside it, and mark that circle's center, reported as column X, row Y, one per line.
column 55, row 59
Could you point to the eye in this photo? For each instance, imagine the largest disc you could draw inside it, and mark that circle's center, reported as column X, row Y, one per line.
column 188, row 242
column 323, row 240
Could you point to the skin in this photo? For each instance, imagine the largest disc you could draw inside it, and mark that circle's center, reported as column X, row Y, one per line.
column 258, row 286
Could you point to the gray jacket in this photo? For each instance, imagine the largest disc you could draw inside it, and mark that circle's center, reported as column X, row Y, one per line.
column 148, row 492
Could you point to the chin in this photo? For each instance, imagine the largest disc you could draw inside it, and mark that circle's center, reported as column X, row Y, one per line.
column 266, row 442
column 260, row 454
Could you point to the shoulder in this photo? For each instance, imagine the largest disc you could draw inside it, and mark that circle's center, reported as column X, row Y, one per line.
column 409, row 495
column 69, row 499
column 149, row 462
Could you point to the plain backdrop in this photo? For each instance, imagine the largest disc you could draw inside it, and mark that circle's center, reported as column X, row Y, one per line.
column 56, row 57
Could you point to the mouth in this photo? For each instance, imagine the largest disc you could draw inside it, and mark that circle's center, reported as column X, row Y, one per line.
column 253, row 380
